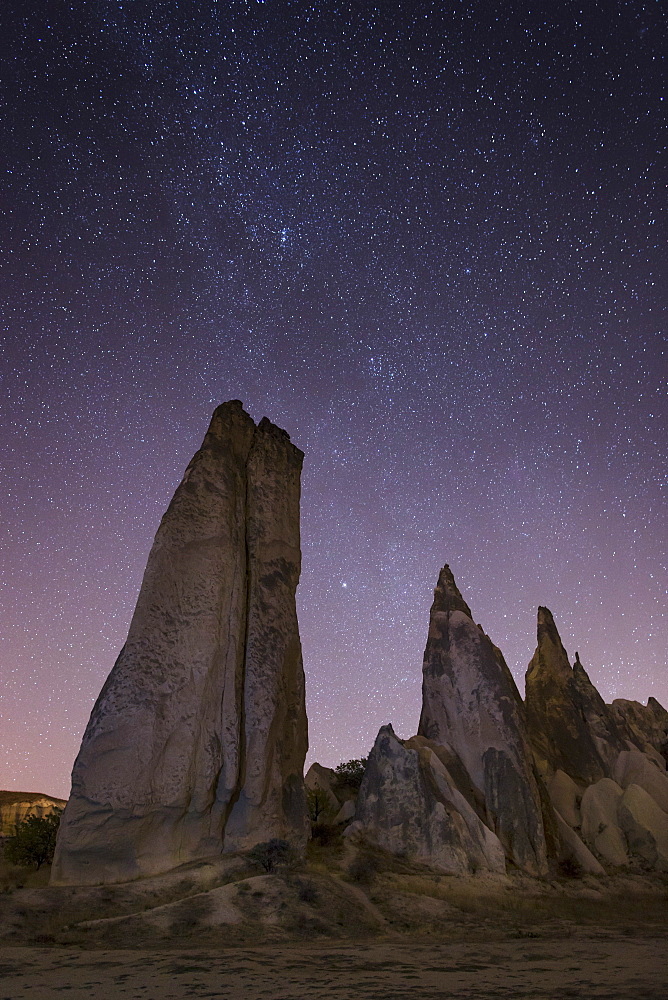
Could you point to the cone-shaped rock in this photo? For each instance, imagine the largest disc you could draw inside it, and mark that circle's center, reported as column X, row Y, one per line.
column 409, row 804
column 471, row 706
column 197, row 741
column 570, row 727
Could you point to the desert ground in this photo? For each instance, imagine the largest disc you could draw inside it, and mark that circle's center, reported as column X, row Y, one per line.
column 391, row 969
column 339, row 927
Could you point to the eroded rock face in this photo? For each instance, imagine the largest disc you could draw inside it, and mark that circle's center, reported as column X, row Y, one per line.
column 15, row 807
column 408, row 804
column 198, row 738
column 600, row 821
column 645, row 826
column 571, row 848
column 471, row 706
column 569, row 725
column 635, row 768
column 645, row 726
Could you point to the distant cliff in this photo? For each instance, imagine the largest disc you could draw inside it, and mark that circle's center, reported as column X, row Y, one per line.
column 16, row 806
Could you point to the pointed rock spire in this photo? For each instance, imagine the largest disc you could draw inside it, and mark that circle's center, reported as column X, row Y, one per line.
column 197, row 741
column 570, row 727
column 471, row 706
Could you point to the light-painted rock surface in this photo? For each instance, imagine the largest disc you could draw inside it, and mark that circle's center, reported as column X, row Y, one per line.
column 471, row 706
column 197, row 741
column 572, row 849
column 645, row 826
column 17, row 806
column 565, row 797
column 569, row 725
column 635, row 768
column 408, row 804
column 600, row 821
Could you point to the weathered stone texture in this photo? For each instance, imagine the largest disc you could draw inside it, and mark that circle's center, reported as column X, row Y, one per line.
column 644, row 726
column 408, row 804
column 645, row 826
column 571, row 848
column 635, row 768
column 201, row 723
column 471, row 706
column 569, row 725
column 600, row 821
column 565, row 797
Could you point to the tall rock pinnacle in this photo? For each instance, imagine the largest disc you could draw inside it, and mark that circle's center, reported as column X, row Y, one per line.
column 471, row 706
column 570, row 727
column 197, row 741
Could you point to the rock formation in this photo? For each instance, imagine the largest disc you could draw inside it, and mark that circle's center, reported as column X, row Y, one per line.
column 605, row 775
column 17, row 806
column 197, row 741
column 408, row 804
column 331, row 799
column 569, row 725
column 644, row 726
column 462, row 794
column 471, row 706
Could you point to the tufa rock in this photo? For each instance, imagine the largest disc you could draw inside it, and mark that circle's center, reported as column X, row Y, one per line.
column 600, row 821
column 15, row 807
column 565, row 797
column 571, row 848
column 635, row 768
column 471, row 707
column 645, row 826
column 569, row 725
column 408, row 804
column 197, row 741
column 644, row 726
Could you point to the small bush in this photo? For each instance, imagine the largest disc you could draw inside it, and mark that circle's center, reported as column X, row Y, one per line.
column 325, row 835
column 363, row 869
column 34, row 842
column 351, row 772
column 271, row 854
column 307, row 892
column 320, row 807
column 570, row 868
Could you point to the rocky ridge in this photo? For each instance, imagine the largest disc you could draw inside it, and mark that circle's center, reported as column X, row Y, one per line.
column 491, row 781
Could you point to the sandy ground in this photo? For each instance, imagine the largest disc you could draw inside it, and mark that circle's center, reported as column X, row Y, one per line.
column 610, row 968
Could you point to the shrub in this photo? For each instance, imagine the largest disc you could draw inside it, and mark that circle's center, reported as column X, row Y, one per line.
column 570, row 868
column 271, row 853
column 351, row 772
column 363, row 869
column 325, row 835
column 34, row 842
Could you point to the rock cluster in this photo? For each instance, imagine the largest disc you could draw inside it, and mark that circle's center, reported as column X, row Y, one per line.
column 604, row 765
column 197, row 741
column 17, row 806
column 491, row 780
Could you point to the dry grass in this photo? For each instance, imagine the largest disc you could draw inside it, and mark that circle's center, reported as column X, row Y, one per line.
column 324, row 898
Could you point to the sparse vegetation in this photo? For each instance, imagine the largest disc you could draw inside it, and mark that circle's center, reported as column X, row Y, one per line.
column 271, row 854
column 34, row 842
column 364, row 868
column 570, row 868
column 320, row 808
column 351, row 772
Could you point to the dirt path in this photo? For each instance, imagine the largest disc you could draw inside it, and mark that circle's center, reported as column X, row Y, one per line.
column 595, row 969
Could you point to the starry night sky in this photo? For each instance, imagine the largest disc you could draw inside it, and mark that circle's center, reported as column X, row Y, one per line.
column 423, row 238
